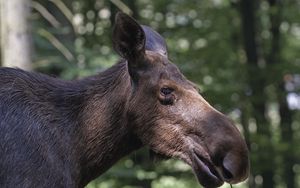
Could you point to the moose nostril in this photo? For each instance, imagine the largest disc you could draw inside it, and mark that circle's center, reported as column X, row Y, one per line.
column 227, row 174
column 235, row 167
column 228, row 167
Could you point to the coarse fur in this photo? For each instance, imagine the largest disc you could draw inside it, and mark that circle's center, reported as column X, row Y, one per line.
column 42, row 120
column 58, row 133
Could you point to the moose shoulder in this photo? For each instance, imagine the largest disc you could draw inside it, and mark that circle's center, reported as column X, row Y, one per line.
column 56, row 133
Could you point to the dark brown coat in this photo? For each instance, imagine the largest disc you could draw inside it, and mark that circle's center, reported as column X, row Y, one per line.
column 56, row 133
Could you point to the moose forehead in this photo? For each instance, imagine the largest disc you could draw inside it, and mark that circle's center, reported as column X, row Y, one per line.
column 166, row 71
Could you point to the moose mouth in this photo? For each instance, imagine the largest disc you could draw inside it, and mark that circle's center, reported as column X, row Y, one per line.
column 206, row 173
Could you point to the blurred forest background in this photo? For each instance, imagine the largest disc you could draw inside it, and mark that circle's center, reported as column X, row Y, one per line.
column 244, row 55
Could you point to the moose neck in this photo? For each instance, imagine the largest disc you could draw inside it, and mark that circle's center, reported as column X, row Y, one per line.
column 106, row 133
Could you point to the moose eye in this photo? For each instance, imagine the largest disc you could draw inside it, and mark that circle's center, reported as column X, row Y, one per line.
column 166, row 91
column 166, row 96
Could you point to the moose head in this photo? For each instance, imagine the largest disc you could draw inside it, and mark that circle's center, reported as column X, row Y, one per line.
column 167, row 113
column 58, row 133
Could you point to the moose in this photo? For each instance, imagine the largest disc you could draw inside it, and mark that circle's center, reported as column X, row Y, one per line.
column 65, row 133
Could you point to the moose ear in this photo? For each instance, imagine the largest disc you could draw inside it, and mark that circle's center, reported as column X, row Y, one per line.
column 128, row 37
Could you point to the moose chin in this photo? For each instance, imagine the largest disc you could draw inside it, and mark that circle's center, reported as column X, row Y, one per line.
column 57, row 133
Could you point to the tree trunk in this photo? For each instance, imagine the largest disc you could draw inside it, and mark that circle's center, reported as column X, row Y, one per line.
column 287, row 139
column 15, row 33
column 274, row 57
column 257, row 84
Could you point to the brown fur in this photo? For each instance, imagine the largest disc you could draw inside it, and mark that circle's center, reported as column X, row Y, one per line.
column 57, row 133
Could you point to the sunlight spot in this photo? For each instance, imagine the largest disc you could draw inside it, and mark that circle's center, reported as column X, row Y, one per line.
column 235, row 114
column 284, row 26
column 218, row 2
column 146, row 13
column 99, row 30
column 200, row 43
column 170, row 20
column 181, row 166
column 197, row 23
column 183, row 44
column 81, row 30
column 207, row 80
column 296, row 168
column 90, row 15
column 89, row 27
column 181, row 20
column 169, row 182
column 265, row 34
column 105, row 50
column 293, row 100
column 140, row 175
column 128, row 163
column 252, row 125
column 158, row 16
column 104, row 13
column 258, row 179
column 295, row 30
column 78, row 19
column 193, row 14
column 273, row 113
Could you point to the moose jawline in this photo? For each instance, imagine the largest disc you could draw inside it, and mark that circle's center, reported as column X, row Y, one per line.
column 205, row 172
column 157, row 156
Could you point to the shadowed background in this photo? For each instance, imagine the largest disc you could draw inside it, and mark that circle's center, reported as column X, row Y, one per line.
column 243, row 54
